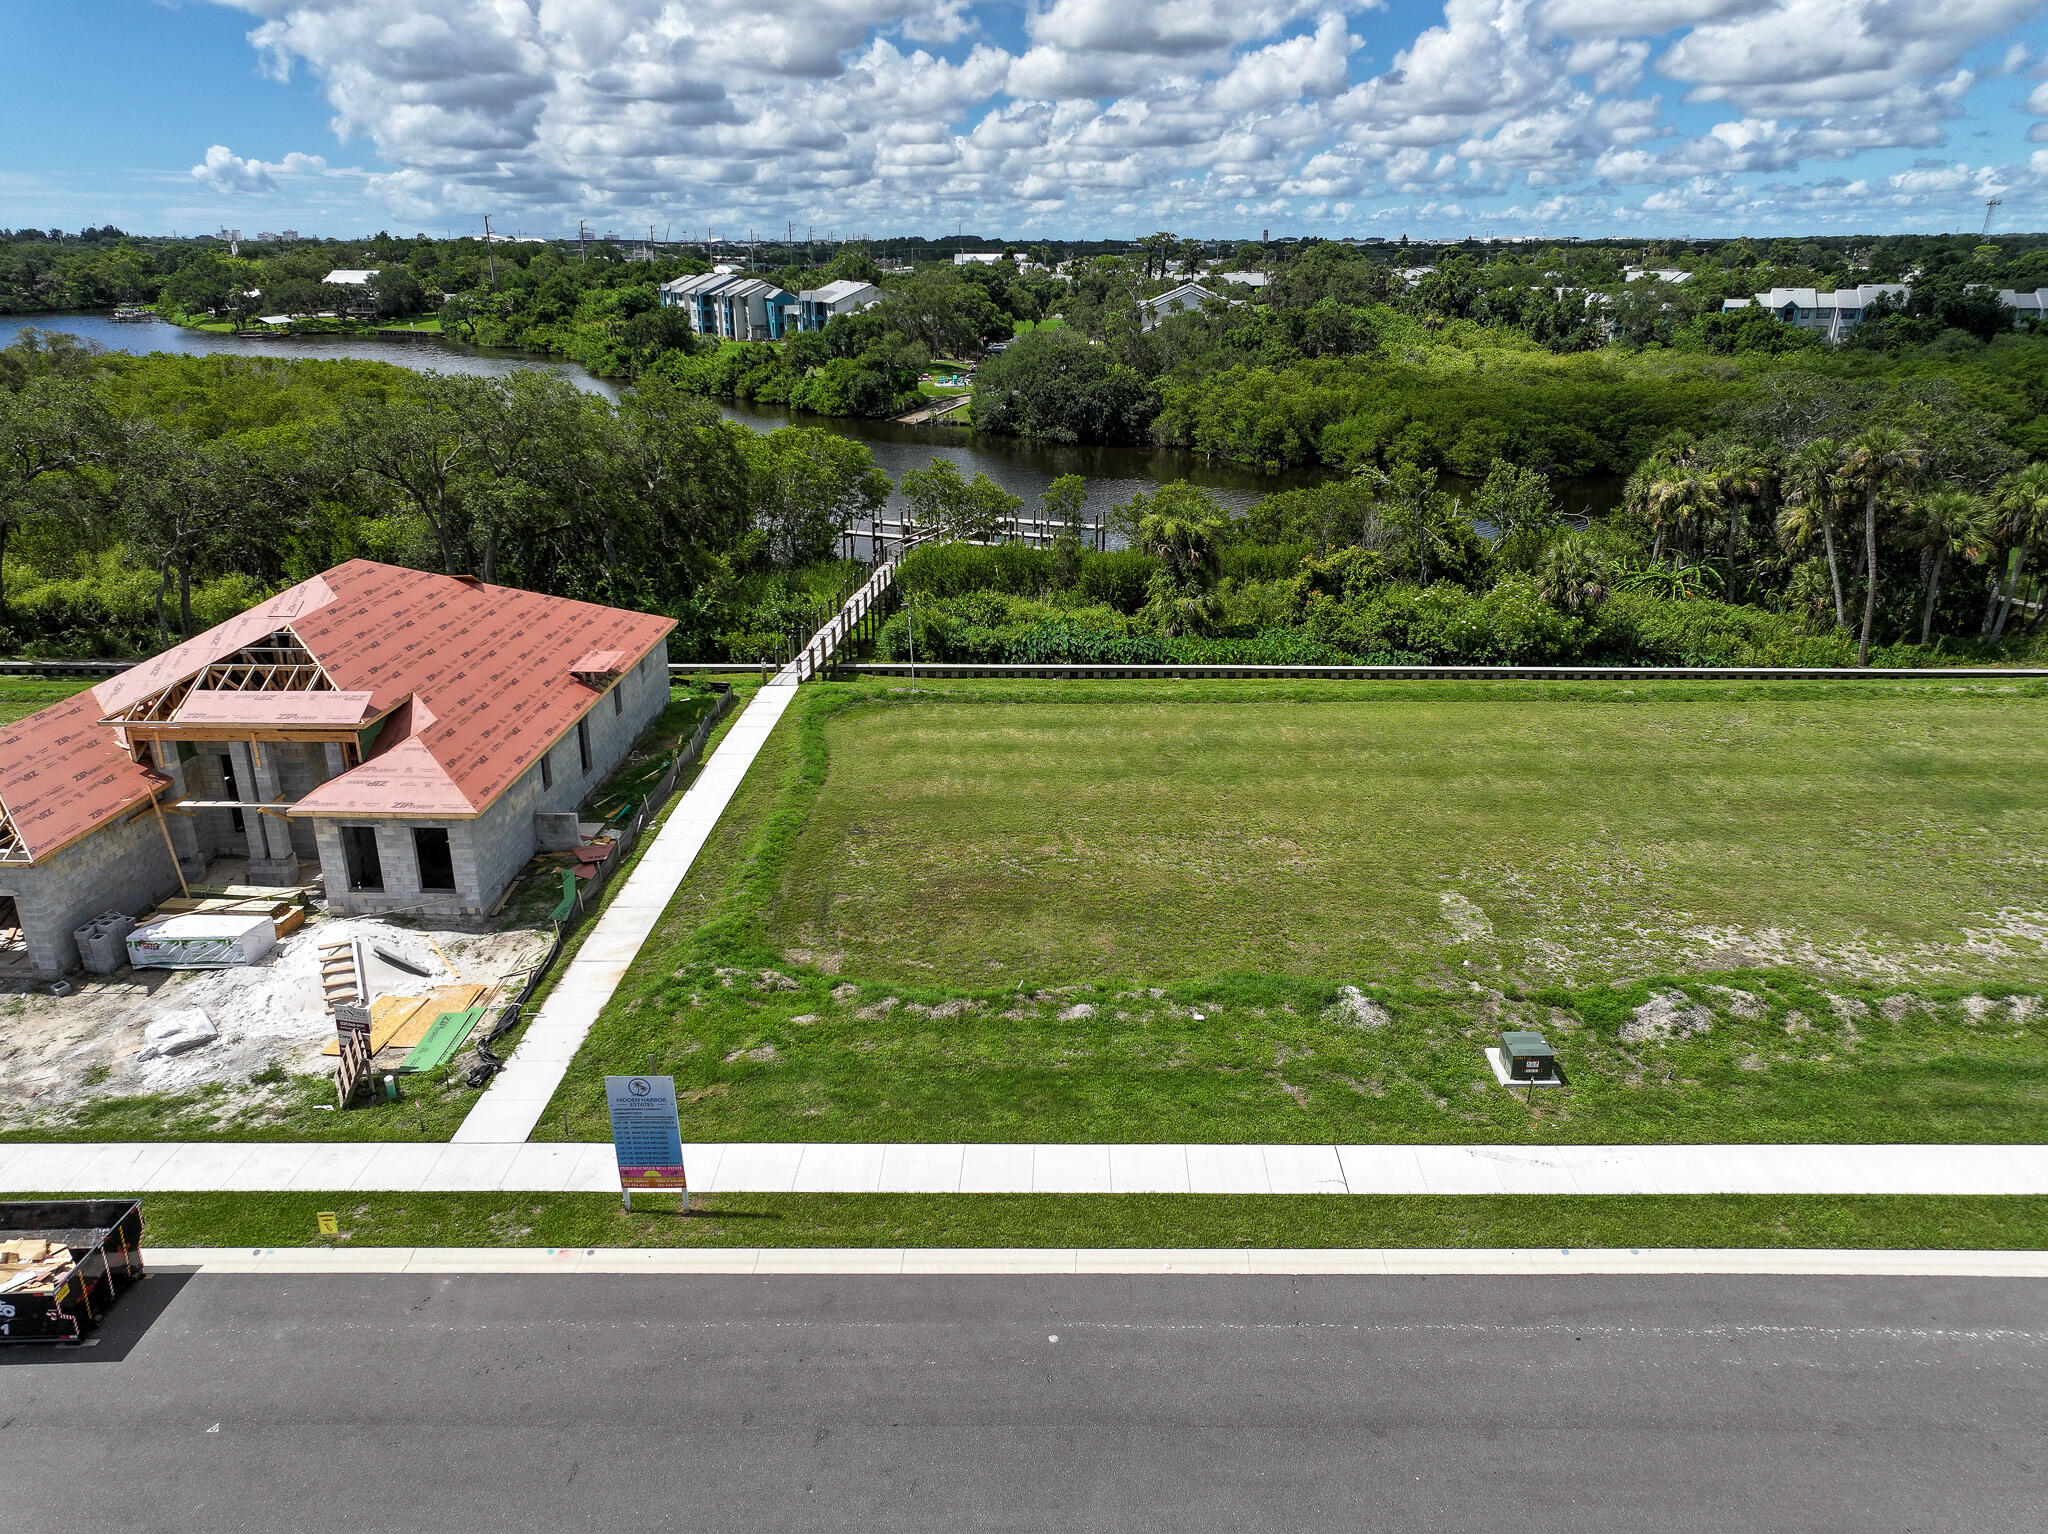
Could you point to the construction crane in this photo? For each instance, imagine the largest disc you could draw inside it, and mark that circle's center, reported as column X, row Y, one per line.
column 1989, row 204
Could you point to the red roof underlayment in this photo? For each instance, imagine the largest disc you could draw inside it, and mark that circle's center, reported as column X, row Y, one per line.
column 483, row 674
column 257, row 710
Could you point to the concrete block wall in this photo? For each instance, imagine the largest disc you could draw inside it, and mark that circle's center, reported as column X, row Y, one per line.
column 124, row 866
column 489, row 850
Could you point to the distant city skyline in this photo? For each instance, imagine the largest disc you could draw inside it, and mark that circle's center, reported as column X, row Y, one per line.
column 1061, row 119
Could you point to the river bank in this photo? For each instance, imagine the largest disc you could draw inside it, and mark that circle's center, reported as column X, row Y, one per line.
column 1024, row 468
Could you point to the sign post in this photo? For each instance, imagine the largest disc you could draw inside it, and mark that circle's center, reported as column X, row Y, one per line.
column 647, row 1137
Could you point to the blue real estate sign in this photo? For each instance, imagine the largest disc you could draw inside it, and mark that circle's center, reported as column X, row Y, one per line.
column 646, row 1136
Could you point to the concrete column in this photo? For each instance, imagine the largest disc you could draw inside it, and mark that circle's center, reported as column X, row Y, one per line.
column 184, row 828
column 278, row 863
column 246, row 786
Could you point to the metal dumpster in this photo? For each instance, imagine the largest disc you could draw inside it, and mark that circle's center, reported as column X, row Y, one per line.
column 58, row 1297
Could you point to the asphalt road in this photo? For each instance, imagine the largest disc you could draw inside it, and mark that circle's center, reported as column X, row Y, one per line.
column 597, row 1403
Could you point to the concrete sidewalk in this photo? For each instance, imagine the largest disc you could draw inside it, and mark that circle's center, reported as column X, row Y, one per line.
column 517, row 1096
column 1190, row 1261
column 763, row 1168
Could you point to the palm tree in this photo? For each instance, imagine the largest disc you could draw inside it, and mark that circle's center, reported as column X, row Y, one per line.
column 1810, row 482
column 1573, row 575
column 1674, row 491
column 1877, row 460
column 2022, row 510
column 1745, row 477
column 1948, row 521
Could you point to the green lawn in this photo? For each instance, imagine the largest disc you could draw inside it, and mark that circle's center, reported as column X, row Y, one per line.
column 21, row 696
column 1090, row 1220
column 1128, row 912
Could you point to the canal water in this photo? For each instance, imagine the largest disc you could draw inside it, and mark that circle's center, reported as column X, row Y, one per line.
column 1114, row 474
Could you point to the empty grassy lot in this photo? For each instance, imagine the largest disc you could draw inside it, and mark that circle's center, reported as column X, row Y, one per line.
column 1296, row 912
column 21, row 696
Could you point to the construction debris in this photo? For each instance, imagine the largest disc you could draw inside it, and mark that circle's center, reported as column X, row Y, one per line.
column 176, row 1032
column 33, row 1267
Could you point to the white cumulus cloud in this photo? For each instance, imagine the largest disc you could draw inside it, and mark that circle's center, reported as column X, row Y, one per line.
column 227, row 172
column 901, row 114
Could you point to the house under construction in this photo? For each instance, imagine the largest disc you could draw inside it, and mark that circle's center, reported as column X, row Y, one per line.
column 409, row 740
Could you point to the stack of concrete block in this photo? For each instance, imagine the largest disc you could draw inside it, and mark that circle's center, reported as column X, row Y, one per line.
column 103, row 942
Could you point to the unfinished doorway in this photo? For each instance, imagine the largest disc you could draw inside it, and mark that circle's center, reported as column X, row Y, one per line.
column 437, row 863
column 13, row 941
column 227, row 777
column 359, row 851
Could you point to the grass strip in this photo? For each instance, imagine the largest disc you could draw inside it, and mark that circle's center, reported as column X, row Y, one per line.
column 1097, row 1220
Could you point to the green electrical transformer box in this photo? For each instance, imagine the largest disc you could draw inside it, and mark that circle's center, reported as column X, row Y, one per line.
column 1528, row 1057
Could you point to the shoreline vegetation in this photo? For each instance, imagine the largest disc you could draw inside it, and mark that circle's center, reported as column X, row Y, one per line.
column 1531, row 458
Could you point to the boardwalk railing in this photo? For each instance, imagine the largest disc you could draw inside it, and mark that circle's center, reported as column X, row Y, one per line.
column 856, row 620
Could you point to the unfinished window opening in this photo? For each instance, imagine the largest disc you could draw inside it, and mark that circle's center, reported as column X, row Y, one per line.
column 547, row 769
column 618, row 700
column 437, row 862
column 583, row 742
column 227, row 777
column 359, row 852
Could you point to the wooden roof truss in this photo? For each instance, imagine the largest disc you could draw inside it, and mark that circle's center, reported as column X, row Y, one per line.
column 12, row 848
column 275, row 663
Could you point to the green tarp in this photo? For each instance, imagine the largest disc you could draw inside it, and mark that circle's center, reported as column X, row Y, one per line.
column 441, row 1041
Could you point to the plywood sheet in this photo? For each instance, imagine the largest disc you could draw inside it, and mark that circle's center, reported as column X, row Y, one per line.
column 449, row 998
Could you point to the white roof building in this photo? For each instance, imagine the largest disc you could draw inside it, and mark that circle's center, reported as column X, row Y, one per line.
column 1835, row 313
column 1189, row 295
column 2025, row 306
column 351, row 277
column 1245, row 279
column 1670, row 274
column 977, row 257
column 816, row 306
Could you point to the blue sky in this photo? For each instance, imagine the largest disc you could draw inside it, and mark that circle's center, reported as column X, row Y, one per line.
column 1058, row 118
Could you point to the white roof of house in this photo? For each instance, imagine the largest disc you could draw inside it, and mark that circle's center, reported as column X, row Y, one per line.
column 972, row 257
column 1670, row 274
column 351, row 276
column 1249, row 279
column 1179, row 296
column 1842, row 298
column 2037, row 301
column 838, row 292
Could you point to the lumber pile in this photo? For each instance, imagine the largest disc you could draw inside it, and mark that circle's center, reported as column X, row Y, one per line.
column 401, row 1022
column 286, row 915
